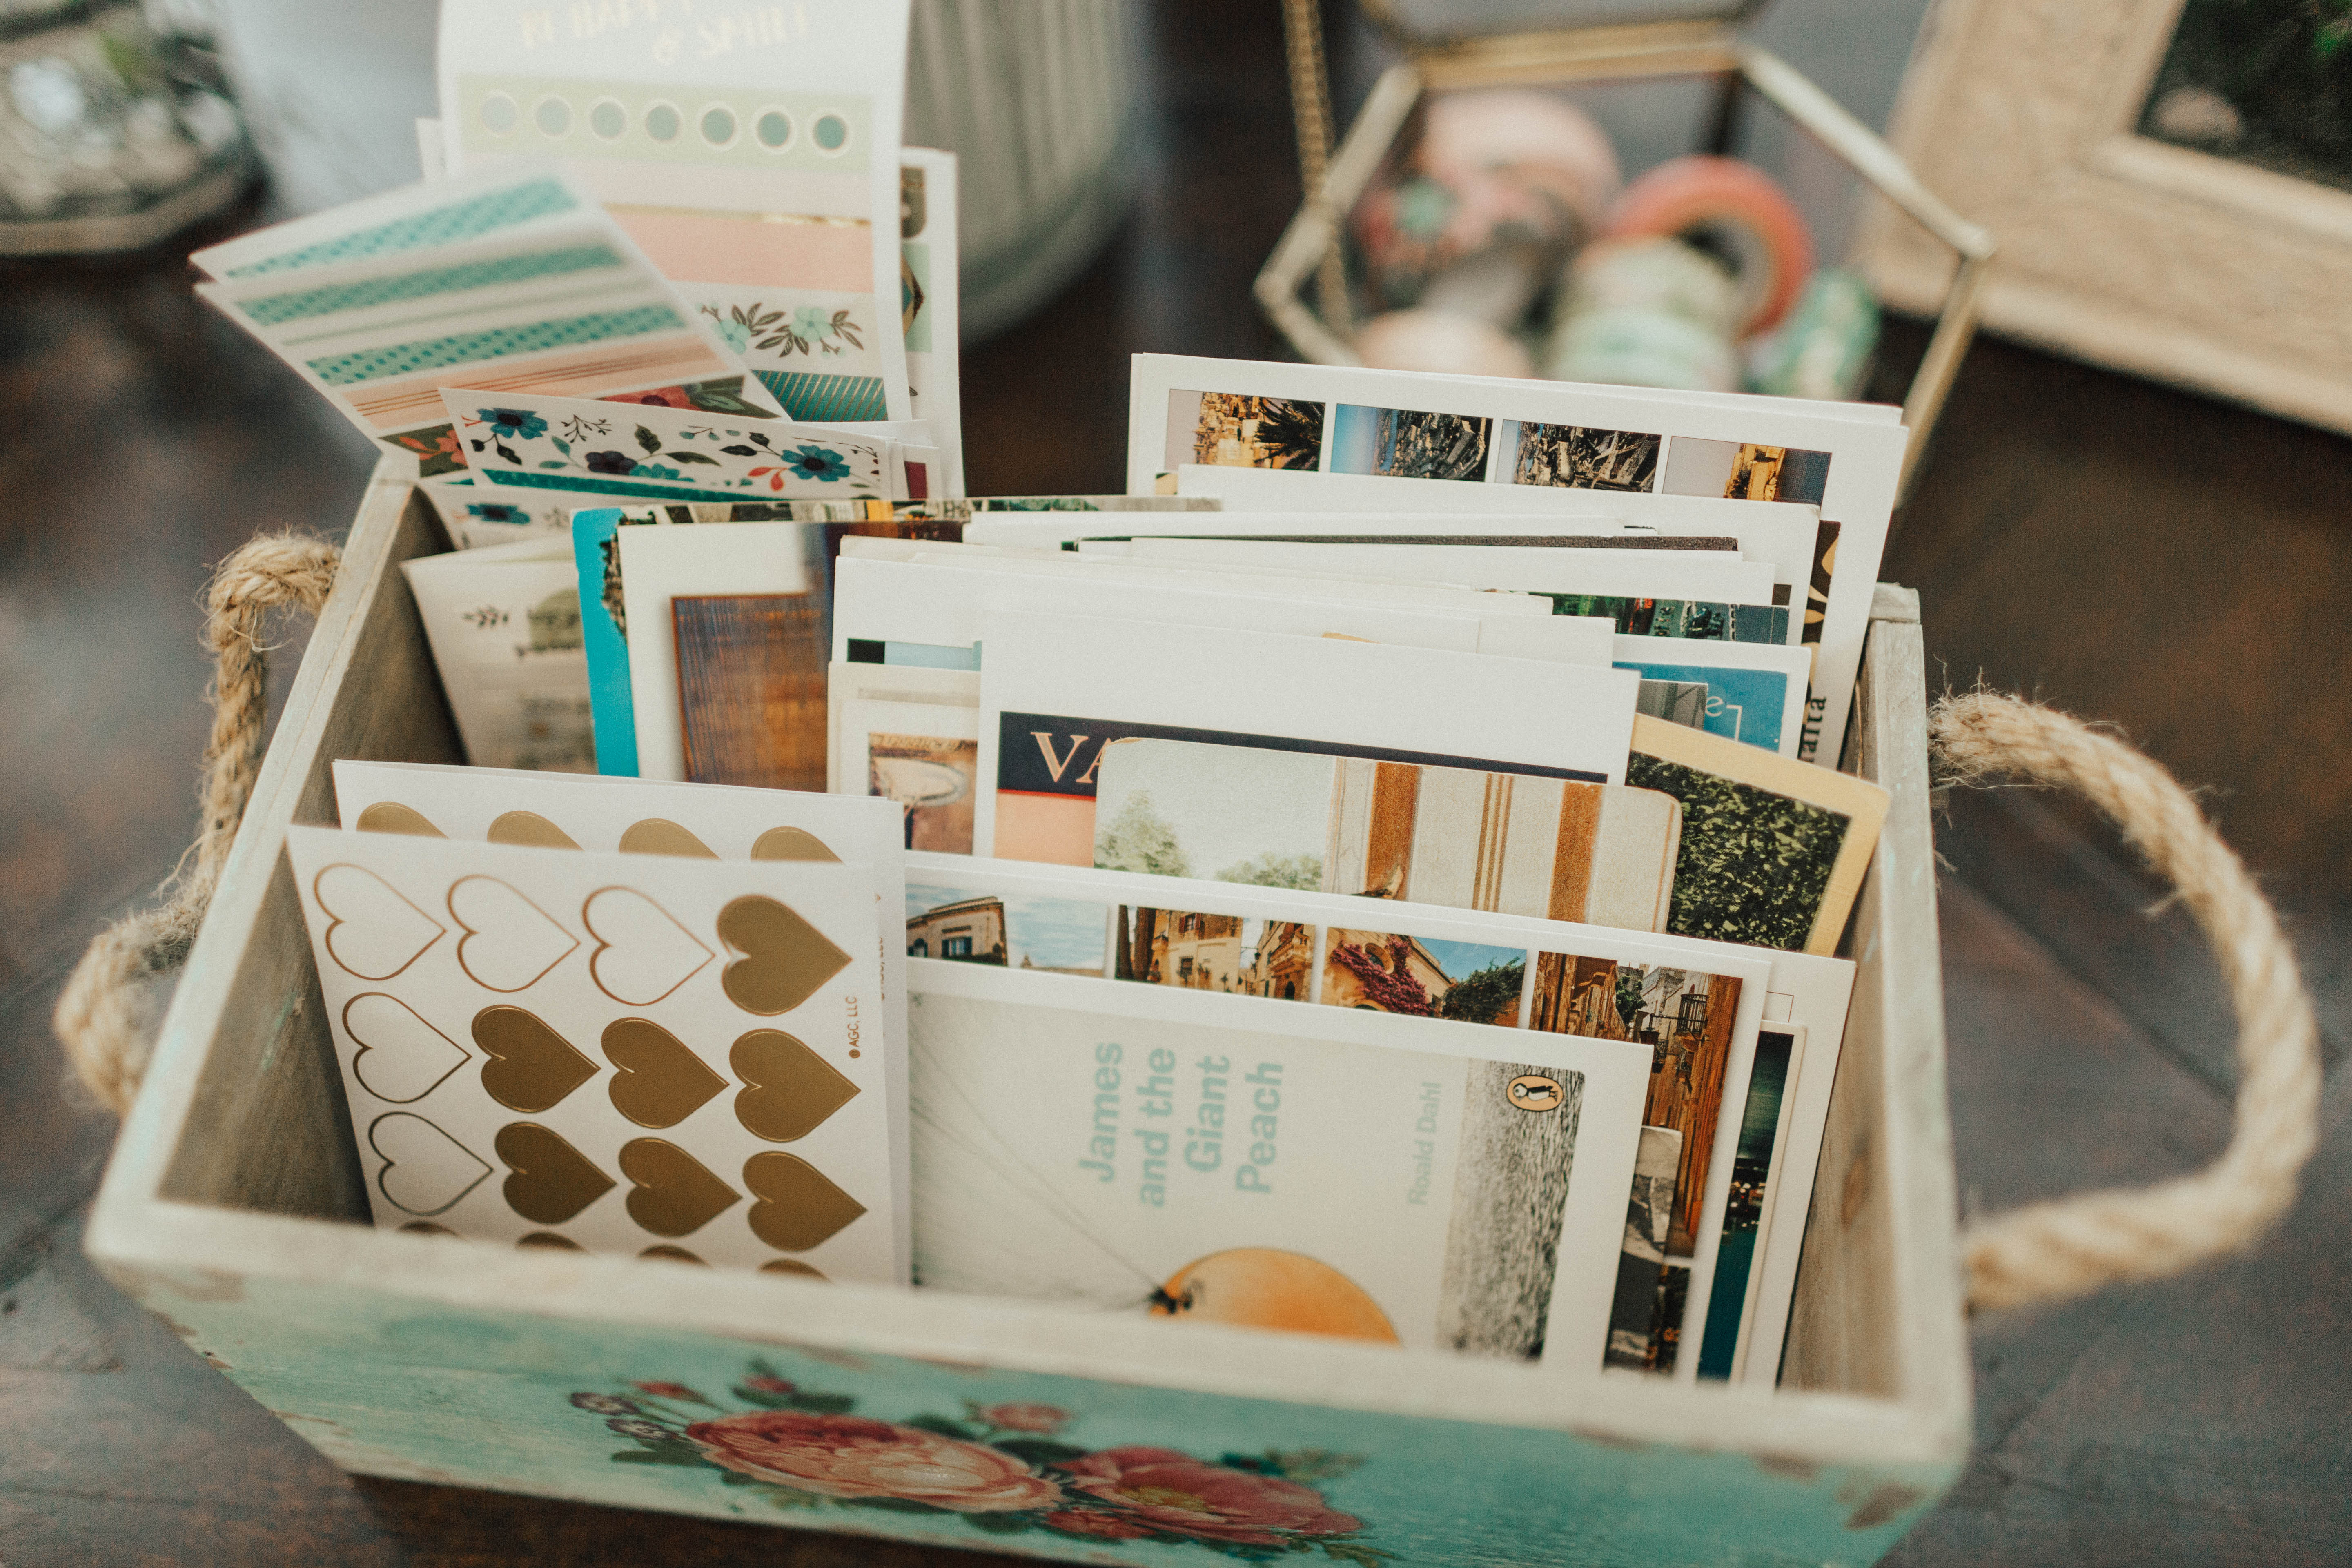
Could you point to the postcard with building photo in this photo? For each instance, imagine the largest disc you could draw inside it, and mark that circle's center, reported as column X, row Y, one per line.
column 973, row 925
column 1237, row 954
column 1409, row 444
column 1571, row 457
column 1739, row 471
column 1385, row 971
column 1688, row 1019
column 1460, row 838
column 1152, row 1151
column 1228, row 430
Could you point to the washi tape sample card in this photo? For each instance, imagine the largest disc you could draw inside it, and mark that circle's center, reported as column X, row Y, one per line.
column 650, row 1055
column 753, row 151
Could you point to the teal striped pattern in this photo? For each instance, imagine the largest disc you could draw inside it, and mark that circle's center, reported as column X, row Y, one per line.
column 484, row 215
column 466, row 348
column 275, row 309
column 826, row 399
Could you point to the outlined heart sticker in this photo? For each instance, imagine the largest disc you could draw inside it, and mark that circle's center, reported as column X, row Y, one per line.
column 371, row 931
column 425, row 1171
column 784, row 960
column 401, row 1058
column 642, row 953
column 510, row 943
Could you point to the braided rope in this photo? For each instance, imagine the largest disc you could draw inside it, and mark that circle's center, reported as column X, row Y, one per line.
column 1310, row 103
column 2072, row 1245
column 100, row 1018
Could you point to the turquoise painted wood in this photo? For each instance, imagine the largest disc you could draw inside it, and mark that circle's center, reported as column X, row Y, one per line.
column 234, row 1208
column 645, row 1418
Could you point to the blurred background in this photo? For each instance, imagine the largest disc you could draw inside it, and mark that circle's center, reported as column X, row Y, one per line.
column 2178, row 565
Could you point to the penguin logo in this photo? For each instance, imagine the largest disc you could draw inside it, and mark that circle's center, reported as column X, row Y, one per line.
column 1533, row 1091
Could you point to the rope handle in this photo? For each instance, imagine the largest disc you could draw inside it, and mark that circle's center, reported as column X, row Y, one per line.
column 2045, row 1251
column 2071, row 1247
column 100, row 1017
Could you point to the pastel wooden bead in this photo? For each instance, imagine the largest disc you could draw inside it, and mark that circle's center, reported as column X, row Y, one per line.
column 1433, row 340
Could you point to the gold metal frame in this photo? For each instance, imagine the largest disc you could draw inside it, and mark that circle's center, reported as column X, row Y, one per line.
column 1648, row 50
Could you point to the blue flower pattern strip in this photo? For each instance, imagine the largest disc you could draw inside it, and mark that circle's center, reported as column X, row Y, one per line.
column 442, row 226
column 300, row 305
column 399, row 359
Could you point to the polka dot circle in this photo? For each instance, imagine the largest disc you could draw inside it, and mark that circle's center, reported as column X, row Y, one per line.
column 499, row 114
column 774, row 129
column 718, row 125
column 608, row 120
column 663, row 122
column 553, row 117
column 832, row 132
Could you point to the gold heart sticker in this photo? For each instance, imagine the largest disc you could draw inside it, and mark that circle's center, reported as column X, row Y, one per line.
column 391, row 817
column 658, row 835
column 528, row 827
column 675, row 1194
column 792, row 1090
column 552, row 1182
column 531, row 1068
column 657, row 1082
column 799, row 1204
column 784, row 959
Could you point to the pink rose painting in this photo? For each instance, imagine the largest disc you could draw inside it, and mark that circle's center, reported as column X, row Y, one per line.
column 1007, row 1467
column 853, row 1456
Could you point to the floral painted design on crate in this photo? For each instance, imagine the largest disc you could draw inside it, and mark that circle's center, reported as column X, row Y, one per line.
column 663, row 454
column 1003, row 1468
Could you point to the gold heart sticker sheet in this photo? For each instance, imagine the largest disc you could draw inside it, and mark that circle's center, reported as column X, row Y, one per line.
column 651, row 1054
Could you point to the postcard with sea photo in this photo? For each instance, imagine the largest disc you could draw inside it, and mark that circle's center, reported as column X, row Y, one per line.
column 1753, row 693
column 1160, row 1151
column 1747, row 1217
column 1464, row 838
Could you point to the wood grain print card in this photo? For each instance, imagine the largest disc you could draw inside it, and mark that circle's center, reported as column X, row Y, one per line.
column 1151, row 1149
column 752, row 688
column 1558, row 848
column 640, row 1053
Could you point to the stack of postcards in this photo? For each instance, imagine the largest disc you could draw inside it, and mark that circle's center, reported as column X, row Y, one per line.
column 1379, row 878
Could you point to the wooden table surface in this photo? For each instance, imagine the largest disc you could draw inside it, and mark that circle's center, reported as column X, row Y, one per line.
column 2131, row 552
